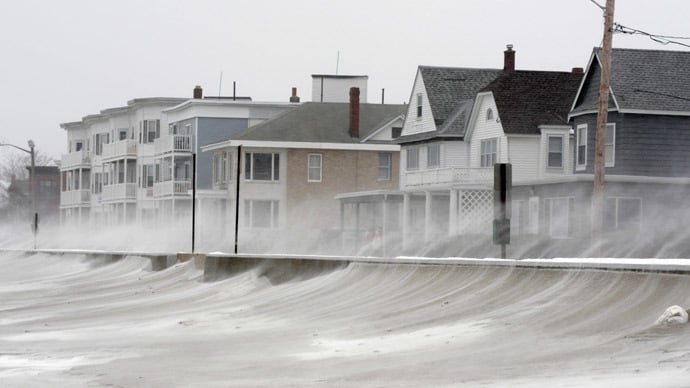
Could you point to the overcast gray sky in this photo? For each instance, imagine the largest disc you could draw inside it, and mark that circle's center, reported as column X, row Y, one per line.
column 62, row 60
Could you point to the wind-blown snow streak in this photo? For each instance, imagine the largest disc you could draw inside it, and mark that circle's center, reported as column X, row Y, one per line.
column 66, row 322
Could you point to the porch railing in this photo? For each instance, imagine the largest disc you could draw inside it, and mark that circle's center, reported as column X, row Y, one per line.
column 447, row 176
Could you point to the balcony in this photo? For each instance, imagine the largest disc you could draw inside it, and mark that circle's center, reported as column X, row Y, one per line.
column 170, row 188
column 119, row 192
column 448, row 176
column 75, row 198
column 173, row 143
column 119, row 149
column 75, row 159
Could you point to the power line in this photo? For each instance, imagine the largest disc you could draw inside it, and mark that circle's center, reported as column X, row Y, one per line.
column 662, row 39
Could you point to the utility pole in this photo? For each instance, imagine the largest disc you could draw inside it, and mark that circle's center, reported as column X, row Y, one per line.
column 602, row 118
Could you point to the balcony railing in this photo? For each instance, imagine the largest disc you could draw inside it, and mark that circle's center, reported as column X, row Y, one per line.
column 75, row 159
column 119, row 192
column 168, row 188
column 448, row 176
column 75, row 197
column 173, row 143
column 120, row 149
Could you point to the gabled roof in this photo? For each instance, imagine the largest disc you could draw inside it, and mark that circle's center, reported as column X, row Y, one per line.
column 451, row 92
column 641, row 81
column 321, row 123
column 527, row 99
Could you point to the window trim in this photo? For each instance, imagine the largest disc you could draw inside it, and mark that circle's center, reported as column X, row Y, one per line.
column 489, row 114
column 420, row 104
column 616, row 218
column 388, row 167
column 548, row 151
column 249, row 214
column 249, row 166
column 408, row 152
column 436, row 146
column 311, row 168
column 548, row 209
column 581, row 132
column 612, row 163
column 493, row 155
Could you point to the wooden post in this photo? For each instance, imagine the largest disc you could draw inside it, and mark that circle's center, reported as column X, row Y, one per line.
column 602, row 118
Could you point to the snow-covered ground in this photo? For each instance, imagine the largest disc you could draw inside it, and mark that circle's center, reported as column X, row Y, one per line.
column 65, row 321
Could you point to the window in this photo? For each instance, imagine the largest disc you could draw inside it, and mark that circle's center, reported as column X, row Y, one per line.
column 148, row 175
column 261, row 213
column 555, row 153
column 262, row 166
column 610, row 146
column 433, row 155
column 97, row 183
column 122, row 134
column 78, row 145
column 150, row 130
column 396, row 132
column 623, row 213
column 412, row 158
column 314, row 168
column 488, row 152
column 489, row 114
column 100, row 140
column 384, row 166
column 559, row 216
column 419, row 106
column 581, row 151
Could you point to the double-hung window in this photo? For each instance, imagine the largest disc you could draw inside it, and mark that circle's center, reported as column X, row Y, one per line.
column 260, row 166
column 420, row 100
column 433, row 156
column 610, row 146
column 261, row 213
column 555, row 152
column 314, row 167
column 385, row 165
column 412, row 158
column 488, row 152
column 559, row 216
column 581, row 151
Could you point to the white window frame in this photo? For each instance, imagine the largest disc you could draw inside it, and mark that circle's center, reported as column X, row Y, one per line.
column 488, row 154
column 420, row 106
column 314, row 167
column 249, row 213
column 581, row 142
column 489, row 114
column 610, row 146
column 616, row 215
column 410, row 162
column 385, row 166
column 549, row 152
column 558, row 202
column 249, row 166
column 437, row 153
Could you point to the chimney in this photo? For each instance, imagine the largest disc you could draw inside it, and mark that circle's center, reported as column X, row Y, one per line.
column 198, row 92
column 354, row 112
column 294, row 97
column 509, row 58
column 578, row 70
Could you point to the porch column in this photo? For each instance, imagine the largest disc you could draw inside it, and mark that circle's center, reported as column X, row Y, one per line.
column 342, row 224
column 427, row 217
column 384, row 226
column 461, row 216
column 357, row 234
column 453, row 216
column 405, row 221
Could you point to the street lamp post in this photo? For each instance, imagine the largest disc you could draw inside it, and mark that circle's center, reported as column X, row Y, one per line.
column 34, row 222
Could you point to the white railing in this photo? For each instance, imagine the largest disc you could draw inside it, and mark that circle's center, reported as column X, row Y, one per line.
column 447, row 176
column 75, row 197
column 173, row 143
column 168, row 188
column 120, row 191
column 120, row 149
column 74, row 159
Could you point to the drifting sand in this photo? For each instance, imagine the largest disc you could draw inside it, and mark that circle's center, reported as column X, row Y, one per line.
column 65, row 321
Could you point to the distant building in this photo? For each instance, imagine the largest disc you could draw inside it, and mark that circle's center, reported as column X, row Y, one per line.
column 19, row 201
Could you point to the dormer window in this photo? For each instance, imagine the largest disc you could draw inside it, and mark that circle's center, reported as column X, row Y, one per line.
column 489, row 114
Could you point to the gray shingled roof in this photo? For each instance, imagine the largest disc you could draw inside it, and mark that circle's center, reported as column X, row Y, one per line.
column 655, row 80
column 527, row 99
column 321, row 122
column 451, row 92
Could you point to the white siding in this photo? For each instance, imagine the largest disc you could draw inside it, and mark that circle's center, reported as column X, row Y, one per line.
column 523, row 153
column 486, row 129
column 337, row 89
column 426, row 122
